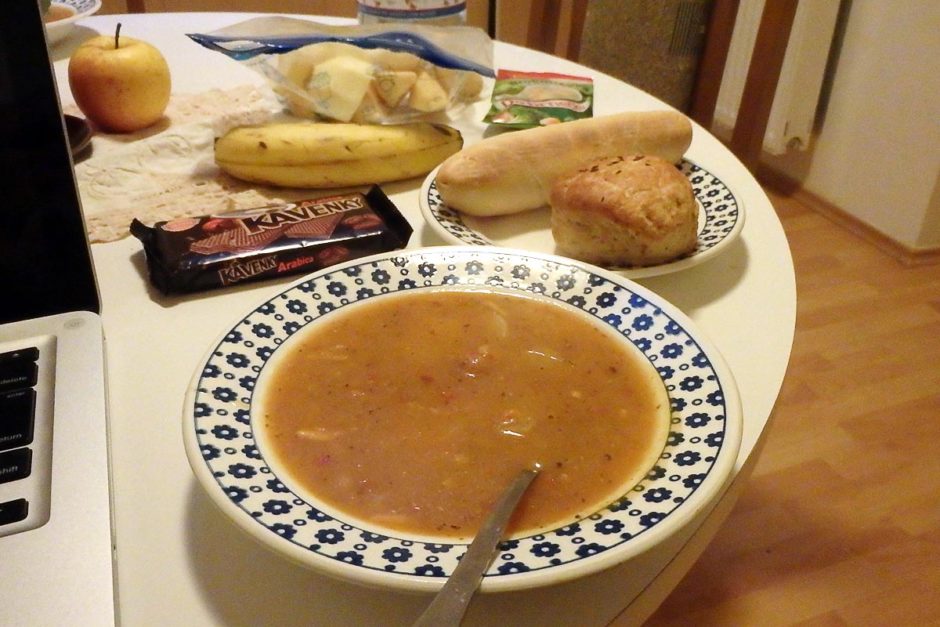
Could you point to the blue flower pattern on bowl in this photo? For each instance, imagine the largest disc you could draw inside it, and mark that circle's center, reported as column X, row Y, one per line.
column 224, row 424
column 80, row 6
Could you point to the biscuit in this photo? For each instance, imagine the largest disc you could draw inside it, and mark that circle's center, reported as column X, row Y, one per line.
column 635, row 210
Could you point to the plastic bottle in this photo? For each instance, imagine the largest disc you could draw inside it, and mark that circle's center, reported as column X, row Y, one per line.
column 436, row 12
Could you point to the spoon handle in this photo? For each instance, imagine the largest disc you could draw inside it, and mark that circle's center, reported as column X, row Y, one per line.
column 450, row 603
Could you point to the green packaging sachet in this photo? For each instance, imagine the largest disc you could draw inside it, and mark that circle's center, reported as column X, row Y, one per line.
column 527, row 99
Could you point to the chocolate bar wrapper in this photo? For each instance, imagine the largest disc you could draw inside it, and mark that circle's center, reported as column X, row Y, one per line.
column 195, row 254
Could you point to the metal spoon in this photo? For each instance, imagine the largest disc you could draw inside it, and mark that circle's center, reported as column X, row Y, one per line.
column 450, row 603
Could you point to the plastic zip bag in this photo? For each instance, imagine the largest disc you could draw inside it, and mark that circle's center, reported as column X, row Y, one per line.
column 381, row 73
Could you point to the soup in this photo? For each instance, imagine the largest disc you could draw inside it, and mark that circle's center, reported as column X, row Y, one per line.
column 58, row 12
column 414, row 411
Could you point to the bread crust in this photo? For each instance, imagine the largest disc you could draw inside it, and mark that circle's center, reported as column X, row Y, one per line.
column 514, row 171
column 625, row 211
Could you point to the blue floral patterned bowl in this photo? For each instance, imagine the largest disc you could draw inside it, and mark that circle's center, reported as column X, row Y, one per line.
column 699, row 454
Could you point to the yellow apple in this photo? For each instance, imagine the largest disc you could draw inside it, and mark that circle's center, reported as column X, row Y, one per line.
column 120, row 84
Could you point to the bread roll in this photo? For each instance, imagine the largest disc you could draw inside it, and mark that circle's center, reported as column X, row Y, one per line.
column 625, row 211
column 514, row 171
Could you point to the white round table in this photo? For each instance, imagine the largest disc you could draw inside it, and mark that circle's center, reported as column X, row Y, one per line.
column 180, row 561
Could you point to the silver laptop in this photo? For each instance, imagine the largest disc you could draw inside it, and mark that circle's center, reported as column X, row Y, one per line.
column 56, row 551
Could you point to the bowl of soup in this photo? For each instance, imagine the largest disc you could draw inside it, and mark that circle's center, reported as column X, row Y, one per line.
column 61, row 15
column 363, row 420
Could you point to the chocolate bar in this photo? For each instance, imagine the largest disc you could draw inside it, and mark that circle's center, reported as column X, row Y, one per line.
column 195, row 254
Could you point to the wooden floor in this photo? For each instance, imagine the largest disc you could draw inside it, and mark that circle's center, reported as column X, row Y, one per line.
column 840, row 523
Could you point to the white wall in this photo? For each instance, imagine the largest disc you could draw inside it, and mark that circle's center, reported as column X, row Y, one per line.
column 877, row 154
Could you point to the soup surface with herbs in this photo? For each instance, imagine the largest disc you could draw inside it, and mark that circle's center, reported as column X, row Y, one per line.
column 413, row 411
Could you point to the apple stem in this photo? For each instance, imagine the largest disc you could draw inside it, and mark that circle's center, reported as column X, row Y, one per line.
column 117, row 34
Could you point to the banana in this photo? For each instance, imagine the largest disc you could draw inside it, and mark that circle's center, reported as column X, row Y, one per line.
column 331, row 154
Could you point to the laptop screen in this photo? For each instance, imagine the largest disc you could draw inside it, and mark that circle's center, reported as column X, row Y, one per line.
column 45, row 261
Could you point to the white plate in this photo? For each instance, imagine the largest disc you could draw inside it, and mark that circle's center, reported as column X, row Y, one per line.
column 721, row 218
column 699, row 454
column 57, row 30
